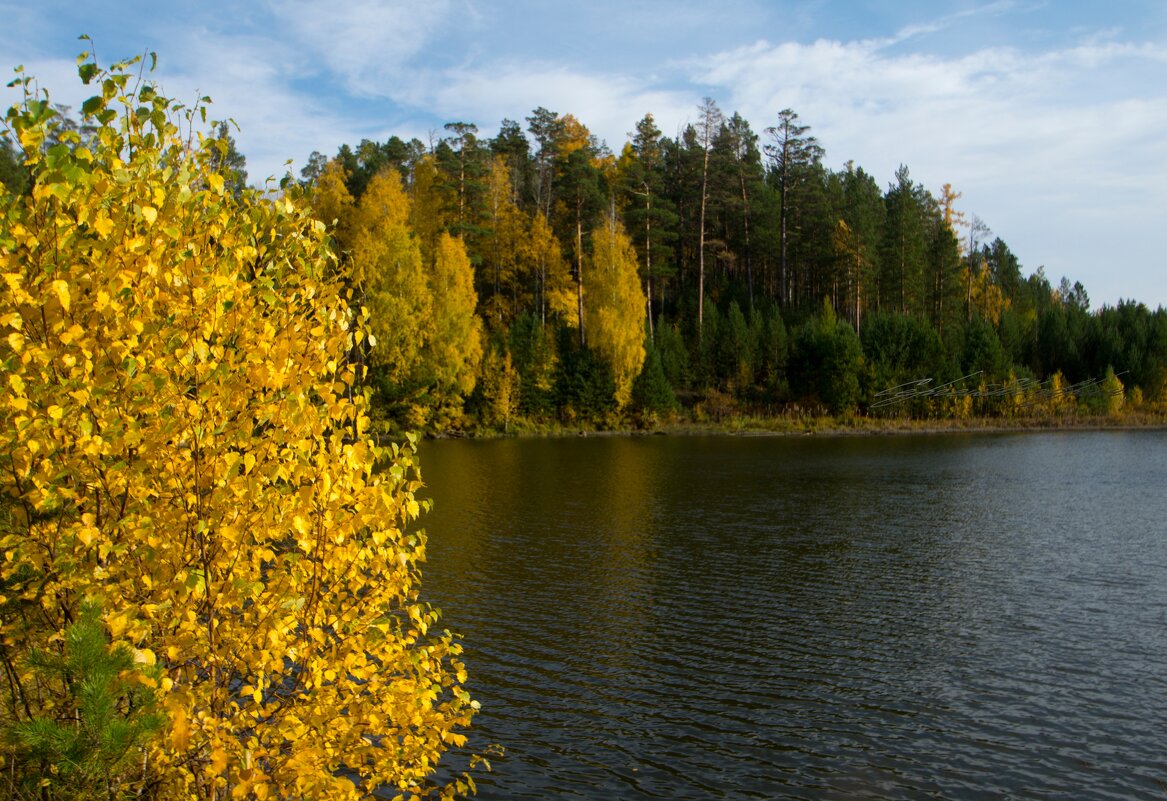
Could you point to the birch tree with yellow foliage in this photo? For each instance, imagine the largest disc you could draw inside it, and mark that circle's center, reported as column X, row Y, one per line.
column 185, row 447
column 616, row 303
column 453, row 349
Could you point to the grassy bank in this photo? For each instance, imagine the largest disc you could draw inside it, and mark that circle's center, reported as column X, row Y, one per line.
column 803, row 425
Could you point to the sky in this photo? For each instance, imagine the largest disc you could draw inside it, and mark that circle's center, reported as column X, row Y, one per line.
column 1049, row 117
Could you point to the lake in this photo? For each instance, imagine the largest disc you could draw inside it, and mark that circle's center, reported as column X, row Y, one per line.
column 897, row 617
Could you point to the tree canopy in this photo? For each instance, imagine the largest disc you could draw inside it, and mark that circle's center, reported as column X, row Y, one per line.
column 741, row 245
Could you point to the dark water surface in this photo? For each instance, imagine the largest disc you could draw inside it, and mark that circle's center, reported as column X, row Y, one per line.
column 907, row 617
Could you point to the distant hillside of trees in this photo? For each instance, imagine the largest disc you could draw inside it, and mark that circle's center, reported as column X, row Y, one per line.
column 538, row 278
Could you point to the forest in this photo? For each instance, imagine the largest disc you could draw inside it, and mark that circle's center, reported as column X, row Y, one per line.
column 538, row 280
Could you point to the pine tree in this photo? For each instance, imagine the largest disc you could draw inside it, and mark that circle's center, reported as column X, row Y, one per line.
column 89, row 744
column 709, row 122
column 652, row 396
column 793, row 154
column 903, row 250
column 650, row 215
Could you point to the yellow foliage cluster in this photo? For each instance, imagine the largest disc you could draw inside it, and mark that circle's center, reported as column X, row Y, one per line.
column 386, row 262
column 455, row 346
column 985, row 295
column 183, row 441
column 500, row 387
column 522, row 256
column 419, row 289
column 616, row 302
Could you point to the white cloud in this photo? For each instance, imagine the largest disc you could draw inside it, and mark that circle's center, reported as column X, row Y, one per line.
column 366, row 42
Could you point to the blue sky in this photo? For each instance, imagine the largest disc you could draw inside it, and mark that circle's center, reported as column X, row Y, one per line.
column 1049, row 117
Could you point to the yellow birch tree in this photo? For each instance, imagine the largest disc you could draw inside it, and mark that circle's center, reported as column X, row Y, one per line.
column 184, row 447
column 429, row 211
column 332, row 203
column 387, row 263
column 616, row 304
column 554, row 288
column 506, row 243
column 454, row 348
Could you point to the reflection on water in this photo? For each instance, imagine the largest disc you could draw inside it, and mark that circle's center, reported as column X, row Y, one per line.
column 908, row 617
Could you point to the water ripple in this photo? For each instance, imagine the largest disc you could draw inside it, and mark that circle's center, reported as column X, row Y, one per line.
column 933, row 617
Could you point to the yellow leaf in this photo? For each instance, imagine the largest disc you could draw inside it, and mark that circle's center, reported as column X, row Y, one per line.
column 117, row 625
column 179, row 729
column 215, row 181
column 103, row 225
column 149, row 214
column 218, row 761
column 61, row 288
column 14, row 281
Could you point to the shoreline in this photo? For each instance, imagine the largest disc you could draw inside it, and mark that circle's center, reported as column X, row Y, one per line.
column 829, row 427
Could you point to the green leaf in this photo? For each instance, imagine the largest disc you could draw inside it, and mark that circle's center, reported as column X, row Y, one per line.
column 56, row 155
column 36, row 109
column 92, row 105
column 87, row 72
